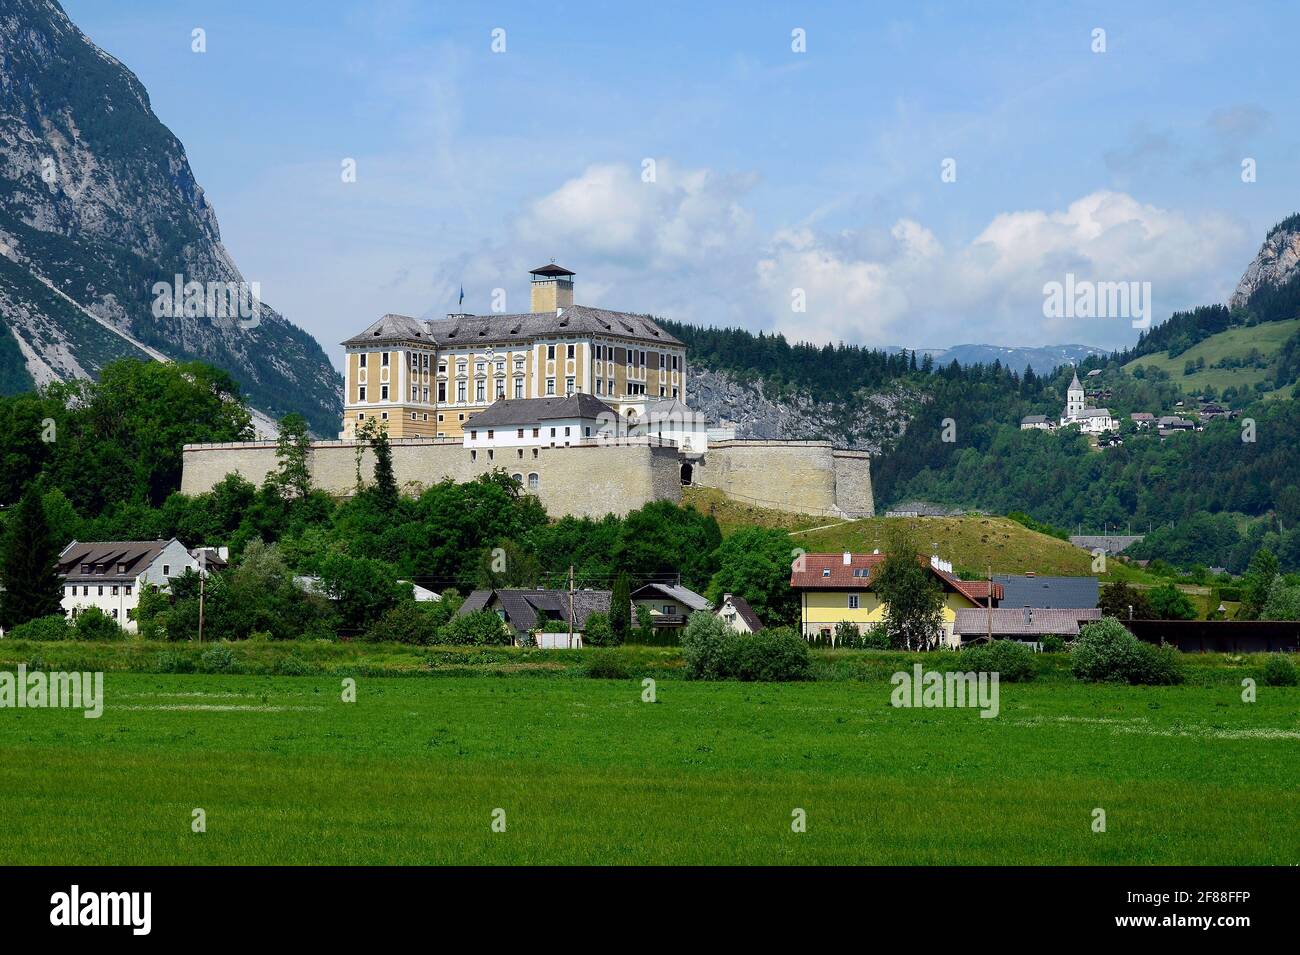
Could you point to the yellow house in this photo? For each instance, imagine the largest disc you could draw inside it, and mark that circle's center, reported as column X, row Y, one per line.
column 838, row 587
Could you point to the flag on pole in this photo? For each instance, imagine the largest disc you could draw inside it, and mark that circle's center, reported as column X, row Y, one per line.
column 462, row 296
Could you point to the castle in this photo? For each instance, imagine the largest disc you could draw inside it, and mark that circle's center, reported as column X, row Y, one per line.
column 585, row 407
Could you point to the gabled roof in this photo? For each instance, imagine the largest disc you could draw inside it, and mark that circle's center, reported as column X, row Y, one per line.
column 1011, row 621
column 673, row 592
column 527, row 610
column 1048, row 592
column 104, row 558
column 829, row 572
column 576, row 320
column 520, row 411
column 1095, row 413
column 744, row 611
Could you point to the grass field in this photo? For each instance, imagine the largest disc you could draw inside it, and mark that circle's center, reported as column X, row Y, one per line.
column 971, row 543
column 588, row 773
column 1268, row 338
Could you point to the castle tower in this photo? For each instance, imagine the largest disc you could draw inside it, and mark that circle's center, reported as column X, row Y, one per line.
column 552, row 288
column 1073, row 399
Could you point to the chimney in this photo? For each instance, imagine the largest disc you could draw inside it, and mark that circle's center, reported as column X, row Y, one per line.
column 848, row 559
column 552, row 288
column 1029, row 616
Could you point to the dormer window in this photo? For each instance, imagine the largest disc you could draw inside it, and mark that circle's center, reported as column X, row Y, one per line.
column 826, row 572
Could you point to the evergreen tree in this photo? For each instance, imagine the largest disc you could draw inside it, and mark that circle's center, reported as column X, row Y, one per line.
column 620, row 608
column 29, row 564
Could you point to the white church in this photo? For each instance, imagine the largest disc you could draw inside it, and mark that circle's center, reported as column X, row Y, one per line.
column 1089, row 420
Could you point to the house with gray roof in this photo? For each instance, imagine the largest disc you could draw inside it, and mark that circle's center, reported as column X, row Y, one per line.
column 1030, row 590
column 1026, row 624
column 738, row 615
column 109, row 575
column 670, row 605
column 528, row 611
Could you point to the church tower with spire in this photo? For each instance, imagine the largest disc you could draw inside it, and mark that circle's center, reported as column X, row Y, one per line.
column 1073, row 401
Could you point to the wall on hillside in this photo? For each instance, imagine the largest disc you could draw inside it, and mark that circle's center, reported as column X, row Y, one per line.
column 804, row 477
column 587, row 480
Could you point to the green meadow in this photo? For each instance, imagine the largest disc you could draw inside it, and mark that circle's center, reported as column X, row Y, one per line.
column 587, row 773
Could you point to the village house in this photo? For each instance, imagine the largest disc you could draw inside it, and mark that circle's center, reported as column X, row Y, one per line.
column 109, row 575
column 430, row 378
column 1142, row 419
column 1052, row 593
column 670, row 605
column 838, row 587
column 738, row 615
column 540, row 423
column 1026, row 624
column 1036, row 422
column 527, row 612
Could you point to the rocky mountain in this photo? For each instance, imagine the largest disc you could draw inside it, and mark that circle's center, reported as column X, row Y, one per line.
column 870, row 424
column 108, row 246
column 1276, row 263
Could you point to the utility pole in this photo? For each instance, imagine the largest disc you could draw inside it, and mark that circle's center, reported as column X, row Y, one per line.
column 570, row 638
column 989, row 602
column 203, row 577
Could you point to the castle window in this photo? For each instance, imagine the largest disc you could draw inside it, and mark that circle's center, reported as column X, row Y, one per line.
column 361, row 392
column 442, row 391
column 519, row 478
column 550, row 386
column 534, row 482
column 571, row 351
column 473, row 455
column 460, row 391
column 568, row 386
column 519, row 433
column 479, row 391
column 600, row 390
column 536, row 432
column 519, row 387
column 550, row 353
column 473, row 435
column 491, row 433
column 566, row 432
column 383, row 392
column 383, row 359
column 361, row 416
column 383, row 416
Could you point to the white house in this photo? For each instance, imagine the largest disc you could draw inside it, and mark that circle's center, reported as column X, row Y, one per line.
column 109, row 574
column 1035, row 422
column 672, row 420
column 540, row 422
column 738, row 615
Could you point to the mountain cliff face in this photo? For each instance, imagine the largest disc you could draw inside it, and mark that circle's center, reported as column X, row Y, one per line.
column 98, row 205
column 872, row 423
column 1276, row 263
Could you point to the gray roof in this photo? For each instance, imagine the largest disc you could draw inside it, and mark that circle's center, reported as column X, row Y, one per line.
column 527, row 610
column 974, row 621
column 1074, row 385
column 1095, row 413
column 1047, row 592
column 579, row 320
column 1034, row 419
column 106, row 556
column 674, row 592
column 517, row 411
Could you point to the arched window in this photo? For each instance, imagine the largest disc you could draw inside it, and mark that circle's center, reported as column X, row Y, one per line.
column 518, row 479
column 534, row 482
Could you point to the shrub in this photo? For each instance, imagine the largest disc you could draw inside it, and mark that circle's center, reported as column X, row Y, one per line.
column 1279, row 671
column 705, row 646
column 598, row 631
column 93, row 624
column 53, row 627
column 293, row 666
column 174, row 663
column 216, row 659
column 555, row 626
column 1107, row 653
column 876, row 638
column 771, row 655
column 408, row 622
column 482, row 628
column 1052, row 644
column 1011, row 660
column 606, row 665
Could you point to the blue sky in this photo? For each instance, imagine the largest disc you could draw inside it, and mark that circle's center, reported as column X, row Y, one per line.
column 775, row 171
